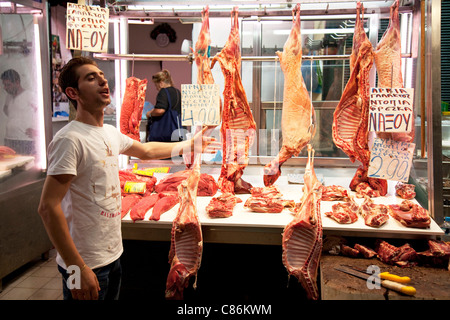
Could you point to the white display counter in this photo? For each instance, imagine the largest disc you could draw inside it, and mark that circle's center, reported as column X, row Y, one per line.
column 267, row 227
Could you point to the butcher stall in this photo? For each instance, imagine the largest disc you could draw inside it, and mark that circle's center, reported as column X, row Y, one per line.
column 329, row 116
column 24, row 65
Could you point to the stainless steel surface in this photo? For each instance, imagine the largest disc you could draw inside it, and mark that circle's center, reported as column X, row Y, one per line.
column 180, row 10
column 22, row 233
column 190, row 58
column 433, row 105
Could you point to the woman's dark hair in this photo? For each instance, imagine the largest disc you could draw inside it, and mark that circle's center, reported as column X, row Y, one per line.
column 68, row 78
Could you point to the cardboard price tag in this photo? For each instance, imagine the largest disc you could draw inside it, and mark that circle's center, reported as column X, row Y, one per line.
column 390, row 159
column 87, row 28
column 200, row 103
column 391, row 109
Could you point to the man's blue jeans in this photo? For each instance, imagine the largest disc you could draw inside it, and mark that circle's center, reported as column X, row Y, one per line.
column 109, row 279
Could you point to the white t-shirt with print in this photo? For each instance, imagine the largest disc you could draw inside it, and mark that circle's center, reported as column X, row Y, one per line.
column 93, row 203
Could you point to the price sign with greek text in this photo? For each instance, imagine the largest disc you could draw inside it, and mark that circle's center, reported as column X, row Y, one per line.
column 200, row 103
column 87, row 28
column 390, row 159
column 391, row 109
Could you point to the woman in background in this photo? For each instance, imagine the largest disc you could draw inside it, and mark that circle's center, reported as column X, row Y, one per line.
column 168, row 97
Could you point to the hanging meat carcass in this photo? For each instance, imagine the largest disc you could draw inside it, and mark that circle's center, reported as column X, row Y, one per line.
column 132, row 106
column 201, row 57
column 302, row 237
column 238, row 126
column 297, row 118
column 388, row 61
column 187, row 241
column 350, row 121
column 201, row 53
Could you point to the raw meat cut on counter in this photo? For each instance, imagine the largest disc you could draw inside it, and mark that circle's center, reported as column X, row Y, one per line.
column 298, row 116
column 357, row 251
column 405, row 190
column 270, row 191
column 140, row 208
column 128, row 201
column 187, row 241
column 264, row 204
column 132, row 106
column 410, row 214
column 344, row 212
column 207, row 186
column 388, row 62
column 6, row 152
column 375, row 215
column 166, row 201
column 238, row 127
column 349, row 251
column 404, row 256
column 222, row 206
column 267, row 200
column 302, row 237
column 437, row 255
column 363, row 189
column 365, row 251
column 334, row 193
column 350, row 121
column 128, row 175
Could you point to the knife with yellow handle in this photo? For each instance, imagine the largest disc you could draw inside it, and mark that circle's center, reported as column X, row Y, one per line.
column 388, row 276
column 389, row 284
column 408, row 290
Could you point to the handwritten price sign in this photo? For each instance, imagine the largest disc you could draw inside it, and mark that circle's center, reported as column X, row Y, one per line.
column 390, row 159
column 87, row 28
column 391, row 109
column 200, row 103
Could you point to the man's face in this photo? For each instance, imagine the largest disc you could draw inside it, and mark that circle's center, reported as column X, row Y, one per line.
column 93, row 90
column 11, row 87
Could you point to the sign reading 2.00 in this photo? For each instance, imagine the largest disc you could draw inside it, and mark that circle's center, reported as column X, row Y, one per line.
column 200, row 103
column 390, row 159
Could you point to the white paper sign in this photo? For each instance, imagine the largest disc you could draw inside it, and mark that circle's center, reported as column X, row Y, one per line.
column 390, row 159
column 200, row 103
column 391, row 109
column 87, row 28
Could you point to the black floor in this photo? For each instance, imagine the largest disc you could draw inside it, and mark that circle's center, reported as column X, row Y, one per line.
column 252, row 273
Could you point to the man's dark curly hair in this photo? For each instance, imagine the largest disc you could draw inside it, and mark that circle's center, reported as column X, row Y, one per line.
column 11, row 75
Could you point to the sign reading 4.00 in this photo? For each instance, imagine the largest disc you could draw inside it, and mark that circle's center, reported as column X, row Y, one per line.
column 200, row 103
column 390, row 159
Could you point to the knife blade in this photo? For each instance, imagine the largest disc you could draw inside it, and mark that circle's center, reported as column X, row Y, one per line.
column 385, row 275
column 408, row 290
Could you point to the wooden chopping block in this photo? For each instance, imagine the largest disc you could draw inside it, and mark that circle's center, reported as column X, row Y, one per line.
column 430, row 283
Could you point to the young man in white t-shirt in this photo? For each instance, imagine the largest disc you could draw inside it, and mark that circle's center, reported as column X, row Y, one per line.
column 81, row 199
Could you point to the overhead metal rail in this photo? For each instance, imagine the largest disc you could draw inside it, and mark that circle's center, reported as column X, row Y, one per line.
column 190, row 57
